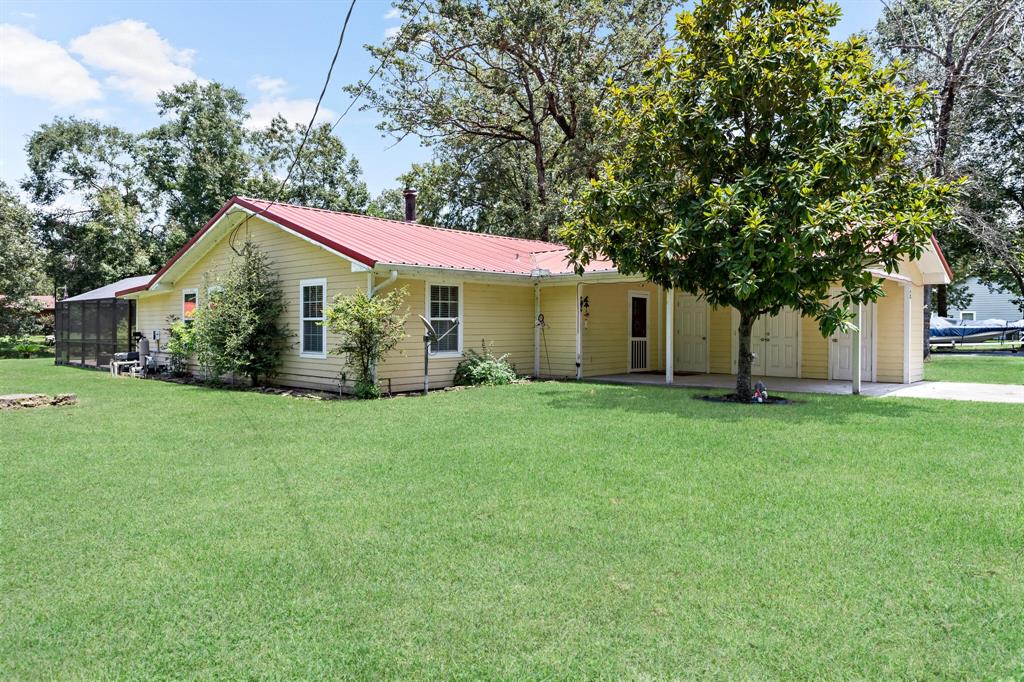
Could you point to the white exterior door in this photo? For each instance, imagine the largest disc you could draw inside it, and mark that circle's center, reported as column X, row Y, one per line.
column 638, row 342
column 775, row 341
column 691, row 333
column 782, row 344
column 842, row 349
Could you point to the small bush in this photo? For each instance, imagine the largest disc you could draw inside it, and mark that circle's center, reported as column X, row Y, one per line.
column 180, row 346
column 484, row 369
column 368, row 329
column 28, row 349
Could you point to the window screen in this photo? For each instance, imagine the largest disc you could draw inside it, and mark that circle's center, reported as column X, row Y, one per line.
column 312, row 304
column 444, row 306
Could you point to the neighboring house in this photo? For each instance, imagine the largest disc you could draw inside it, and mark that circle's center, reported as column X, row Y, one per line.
column 46, row 304
column 987, row 304
column 600, row 323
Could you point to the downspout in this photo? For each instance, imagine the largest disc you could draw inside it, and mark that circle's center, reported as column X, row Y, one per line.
column 536, row 330
column 372, row 291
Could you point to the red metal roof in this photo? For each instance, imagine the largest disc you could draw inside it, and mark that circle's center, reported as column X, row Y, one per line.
column 376, row 240
column 372, row 241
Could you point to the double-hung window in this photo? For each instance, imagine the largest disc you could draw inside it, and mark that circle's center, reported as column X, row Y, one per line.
column 445, row 306
column 189, row 304
column 312, row 302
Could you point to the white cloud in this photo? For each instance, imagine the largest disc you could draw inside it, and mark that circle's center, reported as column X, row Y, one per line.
column 41, row 68
column 392, row 31
column 293, row 110
column 27, row 15
column 269, row 86
column 141, row 62
column 393, row 13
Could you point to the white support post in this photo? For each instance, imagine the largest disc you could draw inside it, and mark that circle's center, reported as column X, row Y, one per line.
column 855, row 351
column 908, row 322
column 536, row 331
column 670, row 296
column 579, row 331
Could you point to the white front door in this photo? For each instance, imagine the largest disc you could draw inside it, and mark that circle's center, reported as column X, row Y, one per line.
column 775, row 342
column 842, row 349
column 691, row 330
column 782, row 344
column 638, row 332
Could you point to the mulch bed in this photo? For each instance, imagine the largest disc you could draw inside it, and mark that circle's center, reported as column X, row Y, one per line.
column 20, row 401
column 733, row 398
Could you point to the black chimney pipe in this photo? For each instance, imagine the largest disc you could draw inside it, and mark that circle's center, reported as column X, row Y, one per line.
column 410, row 204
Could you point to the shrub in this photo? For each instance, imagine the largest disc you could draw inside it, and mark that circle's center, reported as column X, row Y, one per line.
column 180, row 346
column 484, row 368
column 237, row 330
column 27, row 349
column 368, row 328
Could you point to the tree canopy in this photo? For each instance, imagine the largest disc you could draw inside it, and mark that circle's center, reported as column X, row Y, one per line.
column 113, row 204
column 968, row 53
column 508, row 89
column 19, row 265
column 762, row 164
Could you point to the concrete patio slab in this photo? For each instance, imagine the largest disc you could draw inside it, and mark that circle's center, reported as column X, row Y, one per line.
column 940, row 390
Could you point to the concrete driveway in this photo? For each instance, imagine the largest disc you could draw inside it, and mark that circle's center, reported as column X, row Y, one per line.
column 939, row 390
column 948, row 390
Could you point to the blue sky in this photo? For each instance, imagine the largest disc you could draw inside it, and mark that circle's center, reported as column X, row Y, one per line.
column 105, row 60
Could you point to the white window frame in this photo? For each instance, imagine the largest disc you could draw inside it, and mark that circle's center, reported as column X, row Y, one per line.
column 458, row 330
column 184, row 293
column 321, row 282
column 973, row 315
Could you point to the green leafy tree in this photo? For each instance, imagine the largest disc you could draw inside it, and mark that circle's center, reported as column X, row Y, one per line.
column 20, row 262
column 97, row 206
column 197, row 158
column 762, row 164
column 368, row 329
column 512, row 86
column 325, row 177
column 238, row 330
column 968, row 53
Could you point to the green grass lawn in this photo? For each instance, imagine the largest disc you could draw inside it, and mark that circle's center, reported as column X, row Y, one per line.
column 980, row 369
column 548, row 530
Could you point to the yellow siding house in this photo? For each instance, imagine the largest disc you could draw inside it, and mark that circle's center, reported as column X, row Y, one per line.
column 522, row 298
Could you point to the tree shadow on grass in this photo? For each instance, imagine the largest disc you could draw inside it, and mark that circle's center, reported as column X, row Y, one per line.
column 685, row 402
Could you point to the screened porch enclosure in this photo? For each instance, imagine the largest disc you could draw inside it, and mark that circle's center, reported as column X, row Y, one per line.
column 89, row 332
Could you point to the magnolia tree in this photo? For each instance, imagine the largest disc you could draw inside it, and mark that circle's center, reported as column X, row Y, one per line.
column 763, row 164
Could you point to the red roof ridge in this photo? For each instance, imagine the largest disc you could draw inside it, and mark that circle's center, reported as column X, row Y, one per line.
column 555, row 246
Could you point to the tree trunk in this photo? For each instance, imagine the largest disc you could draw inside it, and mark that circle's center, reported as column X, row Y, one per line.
column 542, row 178
column 941, row 301
column 744, row 360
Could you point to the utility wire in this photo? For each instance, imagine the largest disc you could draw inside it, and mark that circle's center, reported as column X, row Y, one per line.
column 380, row 67
column 305, row 135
